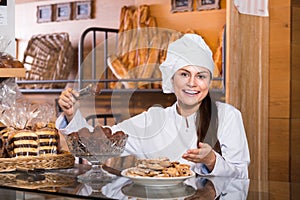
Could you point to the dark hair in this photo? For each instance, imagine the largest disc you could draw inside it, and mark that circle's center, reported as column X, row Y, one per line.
column 207, row 123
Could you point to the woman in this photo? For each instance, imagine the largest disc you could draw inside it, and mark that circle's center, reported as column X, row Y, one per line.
column 208, row 135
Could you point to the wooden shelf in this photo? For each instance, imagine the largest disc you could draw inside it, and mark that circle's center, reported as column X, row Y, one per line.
column 12, row 72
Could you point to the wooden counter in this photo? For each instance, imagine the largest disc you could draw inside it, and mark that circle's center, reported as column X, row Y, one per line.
column 12, row 72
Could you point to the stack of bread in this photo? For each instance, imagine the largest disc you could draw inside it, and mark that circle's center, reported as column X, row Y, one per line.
column 16, row 143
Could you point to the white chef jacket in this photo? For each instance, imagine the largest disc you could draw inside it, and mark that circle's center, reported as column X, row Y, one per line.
column 162, row 132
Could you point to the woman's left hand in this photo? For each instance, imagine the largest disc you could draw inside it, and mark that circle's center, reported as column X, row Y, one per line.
column 204, row 154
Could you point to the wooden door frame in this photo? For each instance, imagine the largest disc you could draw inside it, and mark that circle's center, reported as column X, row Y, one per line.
column 247, row 81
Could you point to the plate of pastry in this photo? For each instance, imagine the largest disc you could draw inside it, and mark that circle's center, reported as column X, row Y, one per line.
column 158, row 172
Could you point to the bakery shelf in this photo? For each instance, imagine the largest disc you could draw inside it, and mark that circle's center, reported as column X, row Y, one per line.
column 12, row 72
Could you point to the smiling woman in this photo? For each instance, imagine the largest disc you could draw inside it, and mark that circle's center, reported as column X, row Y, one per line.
column 207, row 135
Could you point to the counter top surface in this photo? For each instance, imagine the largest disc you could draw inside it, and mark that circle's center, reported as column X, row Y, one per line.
column 65, row 183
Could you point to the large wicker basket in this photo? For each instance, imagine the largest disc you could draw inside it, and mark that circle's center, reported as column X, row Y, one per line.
column 48, row 57
column 55, row 161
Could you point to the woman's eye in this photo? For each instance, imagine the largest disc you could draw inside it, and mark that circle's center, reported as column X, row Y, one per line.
column 201, row 76
column 184, row 74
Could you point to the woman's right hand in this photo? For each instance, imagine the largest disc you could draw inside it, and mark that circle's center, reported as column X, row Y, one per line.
column 67, row 102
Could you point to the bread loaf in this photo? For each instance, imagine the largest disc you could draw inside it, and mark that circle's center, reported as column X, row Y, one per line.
column 120, row 71
column 164, row 45
column 126, row 37
column 152, row 61
column 152, row 27
column 48, row 140
column 218, row 56
column 142, row 51
column 7, row 61
column 116, row 66
column 143, row 13
column 22, row 143
column 3, row 141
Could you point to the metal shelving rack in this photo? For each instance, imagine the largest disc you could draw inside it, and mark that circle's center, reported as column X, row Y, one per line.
column 81, row 81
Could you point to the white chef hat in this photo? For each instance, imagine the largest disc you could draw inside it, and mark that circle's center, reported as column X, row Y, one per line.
column 190, row 49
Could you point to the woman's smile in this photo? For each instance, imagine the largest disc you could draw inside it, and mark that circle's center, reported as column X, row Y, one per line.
column 191, row 92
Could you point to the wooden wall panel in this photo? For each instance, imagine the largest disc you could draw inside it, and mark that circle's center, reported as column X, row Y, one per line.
column 279, row 59
column 279, row 191
column 279, row 145
column 295, row 75
column 296, row 3
column 280, row 87
column 247, row 81
column 295, row 150
column 295, row 97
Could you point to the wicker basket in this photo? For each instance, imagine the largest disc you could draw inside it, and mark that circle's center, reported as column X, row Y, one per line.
column 51, row 180
column 55, row 161
column 48, row 57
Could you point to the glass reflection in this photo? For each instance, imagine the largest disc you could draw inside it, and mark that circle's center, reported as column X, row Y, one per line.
column 198, row 188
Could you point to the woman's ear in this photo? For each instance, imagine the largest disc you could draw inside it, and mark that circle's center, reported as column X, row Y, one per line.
column 172, row 81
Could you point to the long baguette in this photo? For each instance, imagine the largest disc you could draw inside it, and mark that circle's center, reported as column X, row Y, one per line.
column 121, row 30
column 152, row 27
column 152, row 60
column 126, row 36
column 143, row 46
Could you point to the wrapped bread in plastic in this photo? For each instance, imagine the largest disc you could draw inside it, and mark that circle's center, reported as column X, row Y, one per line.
column 7, row 61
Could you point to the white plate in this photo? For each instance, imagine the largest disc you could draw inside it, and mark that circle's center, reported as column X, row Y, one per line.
column 156, row 181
